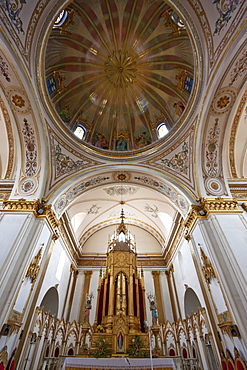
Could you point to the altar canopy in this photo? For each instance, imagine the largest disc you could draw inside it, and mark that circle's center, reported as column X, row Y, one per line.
column 118, row 363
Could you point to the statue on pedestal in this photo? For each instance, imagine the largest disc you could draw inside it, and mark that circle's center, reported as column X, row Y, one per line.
column 153, row 309
column 88, row 306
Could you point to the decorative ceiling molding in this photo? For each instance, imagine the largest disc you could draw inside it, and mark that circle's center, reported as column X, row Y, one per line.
column 121, row 190
column 226, row 95
column 203, row 19
column 178, row 159
column 11, row 141
column 239, row 189
column 142, row 261
column 26, row 123
column 65, row 161
column 21, row 32
column 219, row 40
column 232, row 139
column 113, row 177
column 207, row 206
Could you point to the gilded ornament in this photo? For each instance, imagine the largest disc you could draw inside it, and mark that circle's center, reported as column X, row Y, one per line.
column 220, row 205
column 207, row 268
column 69, row 20
column 120, row 68
column 18, row 101
column 207, row 206
column 169, row 22
column 244, row 205
column 60, row 80
column 223, row 102
column 4, row 357
column 34, row 267
column 121, row 176
column 39, row 208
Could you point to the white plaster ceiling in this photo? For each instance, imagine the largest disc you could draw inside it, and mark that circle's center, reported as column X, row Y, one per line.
column 146, row 213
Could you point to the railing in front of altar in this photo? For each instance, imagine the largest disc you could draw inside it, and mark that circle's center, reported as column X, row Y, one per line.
column 57, row 363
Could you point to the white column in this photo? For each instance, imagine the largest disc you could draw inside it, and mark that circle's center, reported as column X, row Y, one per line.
column 20, row 236
column 226, row 238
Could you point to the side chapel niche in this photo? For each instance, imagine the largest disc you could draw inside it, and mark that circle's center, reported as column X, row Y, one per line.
column 120, row 314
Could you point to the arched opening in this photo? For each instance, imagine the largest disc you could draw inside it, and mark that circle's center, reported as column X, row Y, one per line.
column 56, row 354
column 71, row 352
column 50, row 301
column 184, row 353
column 172, row 352
column 191, row 302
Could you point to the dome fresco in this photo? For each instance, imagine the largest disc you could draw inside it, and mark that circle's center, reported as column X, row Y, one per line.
column 119, row 74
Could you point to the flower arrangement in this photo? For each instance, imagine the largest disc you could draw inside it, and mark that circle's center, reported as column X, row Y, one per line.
column 101, row 349
column 136, row 348
column 100, row 329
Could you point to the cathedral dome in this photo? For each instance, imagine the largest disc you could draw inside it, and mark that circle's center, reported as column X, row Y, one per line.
column 120, row 74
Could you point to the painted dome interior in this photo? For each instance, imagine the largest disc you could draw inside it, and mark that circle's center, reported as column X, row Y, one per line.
column 119, row 74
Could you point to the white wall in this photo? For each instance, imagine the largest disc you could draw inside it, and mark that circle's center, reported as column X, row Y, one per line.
column 186, row 274
column 51, row 280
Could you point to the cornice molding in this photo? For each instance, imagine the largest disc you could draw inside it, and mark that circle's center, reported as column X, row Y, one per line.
column 207, row 206
column 37, row 207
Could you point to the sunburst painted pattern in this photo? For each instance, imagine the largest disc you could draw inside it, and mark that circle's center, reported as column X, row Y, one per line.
column 117, row 69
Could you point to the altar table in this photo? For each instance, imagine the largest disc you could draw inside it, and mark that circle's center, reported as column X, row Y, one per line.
column 77, row 363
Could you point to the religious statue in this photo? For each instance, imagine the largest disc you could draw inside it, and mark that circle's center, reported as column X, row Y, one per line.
column 88, row 306
column 153, row 309
column 154, row 313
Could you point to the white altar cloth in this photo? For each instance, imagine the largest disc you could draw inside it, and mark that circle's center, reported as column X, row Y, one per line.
column 117, row 363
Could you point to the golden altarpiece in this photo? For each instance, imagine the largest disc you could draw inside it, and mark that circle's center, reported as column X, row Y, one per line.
column 120, row 314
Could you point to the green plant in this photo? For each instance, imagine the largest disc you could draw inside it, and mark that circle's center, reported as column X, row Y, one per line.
column 101, row 349
column 136, row 348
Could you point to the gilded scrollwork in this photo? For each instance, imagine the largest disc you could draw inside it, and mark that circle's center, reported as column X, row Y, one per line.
column 207, row 268
column 207, row 206
column 244, row 205
column 34, row 267
column 4, row 356
column 39, row 208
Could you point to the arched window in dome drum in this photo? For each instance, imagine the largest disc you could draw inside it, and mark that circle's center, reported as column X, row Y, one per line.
column 80, row 132
column 162, row 130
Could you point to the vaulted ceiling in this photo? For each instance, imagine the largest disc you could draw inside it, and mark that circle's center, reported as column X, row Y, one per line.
column 119, row 70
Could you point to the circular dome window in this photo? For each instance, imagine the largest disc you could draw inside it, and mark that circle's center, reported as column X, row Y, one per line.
column 118, row 70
